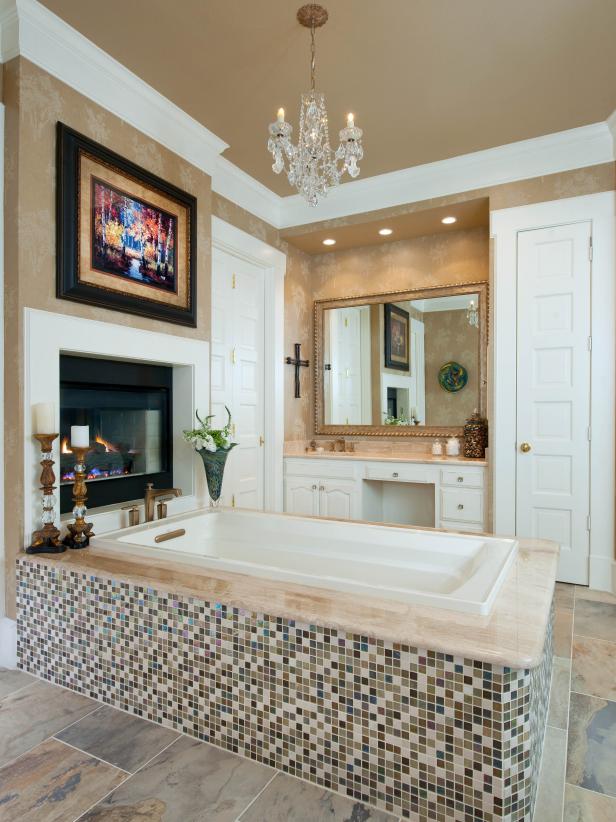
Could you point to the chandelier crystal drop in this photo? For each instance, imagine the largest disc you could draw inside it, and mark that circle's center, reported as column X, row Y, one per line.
column 472, row 314
column 312, row 166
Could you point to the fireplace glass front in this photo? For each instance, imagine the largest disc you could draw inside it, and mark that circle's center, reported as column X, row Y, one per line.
column 127, row 406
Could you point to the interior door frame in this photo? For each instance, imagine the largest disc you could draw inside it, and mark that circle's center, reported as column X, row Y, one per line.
column 505, row 225
column 273, row 262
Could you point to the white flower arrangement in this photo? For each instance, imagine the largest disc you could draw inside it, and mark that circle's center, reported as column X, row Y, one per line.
column 210, row 439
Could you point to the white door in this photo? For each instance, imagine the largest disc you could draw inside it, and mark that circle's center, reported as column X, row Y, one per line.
column 301, row 496
column 553, row 392
column 418, row 370
column 237, row 372
column 346, row 370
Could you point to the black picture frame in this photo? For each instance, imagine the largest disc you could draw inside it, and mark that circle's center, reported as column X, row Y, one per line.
column 393, row 315
column 70, row 145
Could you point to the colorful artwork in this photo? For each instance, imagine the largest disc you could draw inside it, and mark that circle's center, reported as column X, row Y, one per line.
column 452, row 377
column 127, row 239
column 132, row 239
column 397, row 354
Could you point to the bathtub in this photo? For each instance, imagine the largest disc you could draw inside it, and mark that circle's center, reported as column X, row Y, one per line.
column 459, row 572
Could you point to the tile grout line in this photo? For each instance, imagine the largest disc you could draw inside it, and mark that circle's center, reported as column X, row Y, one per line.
column 254, row 799
column 46, row 739
column 124, row 781
column 18, row 691
column 93, row 756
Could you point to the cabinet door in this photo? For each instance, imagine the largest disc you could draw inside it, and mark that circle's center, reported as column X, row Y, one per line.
column 338, row 499
column 301, row 496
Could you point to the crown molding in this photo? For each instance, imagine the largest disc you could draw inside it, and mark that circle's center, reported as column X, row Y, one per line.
column 539, row 156
column 29, row 29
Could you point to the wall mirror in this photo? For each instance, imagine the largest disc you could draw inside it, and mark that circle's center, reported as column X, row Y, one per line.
column 407, row 363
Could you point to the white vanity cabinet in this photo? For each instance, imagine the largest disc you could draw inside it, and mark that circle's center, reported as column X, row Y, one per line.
column 323, row 488
column 435, row 492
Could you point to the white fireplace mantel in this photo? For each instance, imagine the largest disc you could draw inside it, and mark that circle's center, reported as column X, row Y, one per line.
column 47, row 335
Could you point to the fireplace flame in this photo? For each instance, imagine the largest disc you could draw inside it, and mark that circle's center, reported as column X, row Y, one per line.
column 64, row 449
column 109, row 446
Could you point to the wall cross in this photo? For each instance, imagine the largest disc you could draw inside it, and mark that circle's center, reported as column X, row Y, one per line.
column 298, row 363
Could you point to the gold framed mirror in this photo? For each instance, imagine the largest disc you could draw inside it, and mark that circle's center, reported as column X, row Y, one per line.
column 401, row 364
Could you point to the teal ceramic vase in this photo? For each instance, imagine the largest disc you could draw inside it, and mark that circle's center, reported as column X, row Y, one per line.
column 214, row 464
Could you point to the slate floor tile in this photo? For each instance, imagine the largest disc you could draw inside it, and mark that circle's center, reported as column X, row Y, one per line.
column 595, row 619
column 53, row 783
column 591, row 753
column 587, row 806
column 549, row 802
column 559, row 693
column 13, row 680
column 125, row 741
column 594, row 667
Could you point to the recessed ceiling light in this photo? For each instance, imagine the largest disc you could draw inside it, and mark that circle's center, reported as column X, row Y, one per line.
column 385, row 232
column 448, row 220
column 329, row 241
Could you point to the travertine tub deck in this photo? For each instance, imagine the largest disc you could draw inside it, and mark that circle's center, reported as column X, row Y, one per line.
column 512, row 635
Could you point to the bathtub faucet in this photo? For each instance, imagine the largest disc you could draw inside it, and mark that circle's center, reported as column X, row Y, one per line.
column 152, row 494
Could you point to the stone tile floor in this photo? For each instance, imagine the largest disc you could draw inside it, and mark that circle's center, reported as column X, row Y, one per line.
column 64, row 757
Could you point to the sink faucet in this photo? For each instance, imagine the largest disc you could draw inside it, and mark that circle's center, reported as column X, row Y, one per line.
column 152, row 494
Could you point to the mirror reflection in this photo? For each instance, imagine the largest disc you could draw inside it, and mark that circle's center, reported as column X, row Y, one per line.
column 407, row 363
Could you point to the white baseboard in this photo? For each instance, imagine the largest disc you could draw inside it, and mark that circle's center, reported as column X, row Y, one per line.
column 8, row 643
column 601, row 573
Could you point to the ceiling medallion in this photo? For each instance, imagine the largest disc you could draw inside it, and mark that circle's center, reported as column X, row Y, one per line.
column 312, row 166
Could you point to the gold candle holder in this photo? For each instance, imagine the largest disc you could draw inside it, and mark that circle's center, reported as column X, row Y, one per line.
column 80, row 531
column 47, row 539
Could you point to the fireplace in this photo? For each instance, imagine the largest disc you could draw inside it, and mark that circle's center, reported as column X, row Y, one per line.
column 128, row 408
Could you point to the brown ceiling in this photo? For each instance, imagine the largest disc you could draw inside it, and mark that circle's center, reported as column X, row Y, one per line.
column 469, row 214
column 426, row 79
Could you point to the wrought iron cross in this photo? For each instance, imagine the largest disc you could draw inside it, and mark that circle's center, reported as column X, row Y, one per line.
column 298, row 363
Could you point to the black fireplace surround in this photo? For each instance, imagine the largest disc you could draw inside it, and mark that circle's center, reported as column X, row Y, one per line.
column 128, row 408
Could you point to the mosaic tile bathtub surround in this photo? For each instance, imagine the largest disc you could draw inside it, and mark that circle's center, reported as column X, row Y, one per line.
column 427, row 735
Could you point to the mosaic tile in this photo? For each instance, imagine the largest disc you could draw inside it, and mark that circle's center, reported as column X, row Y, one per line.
column 414, row 732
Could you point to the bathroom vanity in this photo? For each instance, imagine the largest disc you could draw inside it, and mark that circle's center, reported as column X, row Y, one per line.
column 425, row 491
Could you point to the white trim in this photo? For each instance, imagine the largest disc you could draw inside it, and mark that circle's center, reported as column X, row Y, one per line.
column 2, row 500
column 273, row 262
column 30, row 29
column 8, row 643
column 611, row 124
column 504, row 227
column 47, row 335
column 552, row 153
column 614, row 577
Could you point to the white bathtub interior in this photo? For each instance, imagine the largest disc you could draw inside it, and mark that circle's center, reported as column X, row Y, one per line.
column 445, row 570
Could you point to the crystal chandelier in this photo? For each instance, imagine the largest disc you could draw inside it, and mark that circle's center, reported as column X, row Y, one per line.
column 312, row 165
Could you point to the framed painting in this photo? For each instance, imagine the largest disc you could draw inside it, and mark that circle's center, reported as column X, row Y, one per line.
column 397, row 354
column 126, row 239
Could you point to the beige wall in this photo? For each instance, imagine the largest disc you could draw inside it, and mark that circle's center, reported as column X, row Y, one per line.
column 35, row 101
column 448, row 336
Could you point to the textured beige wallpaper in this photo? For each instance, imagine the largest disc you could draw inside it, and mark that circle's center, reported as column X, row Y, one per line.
column 448, row 336
column 35, row 101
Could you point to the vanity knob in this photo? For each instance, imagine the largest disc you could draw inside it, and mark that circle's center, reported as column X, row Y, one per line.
column 525, row 447
column 460, row 479
column 314, row 487
column 395, row 474
column 321, row 488
column 460, row 507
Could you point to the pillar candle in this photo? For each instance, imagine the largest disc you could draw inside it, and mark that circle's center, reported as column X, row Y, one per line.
column 80, row 436
column 44, row 418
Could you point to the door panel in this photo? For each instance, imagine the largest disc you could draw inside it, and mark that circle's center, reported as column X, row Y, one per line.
column 237, row 372
column 553, row 392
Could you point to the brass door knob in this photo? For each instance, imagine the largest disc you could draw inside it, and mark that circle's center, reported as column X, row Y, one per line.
column 525, row 447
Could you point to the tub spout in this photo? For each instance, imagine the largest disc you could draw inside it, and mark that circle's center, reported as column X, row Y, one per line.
column 152, row 494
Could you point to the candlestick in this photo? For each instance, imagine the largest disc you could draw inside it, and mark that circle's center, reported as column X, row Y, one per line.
column 44, row 417
column 47, row 539
column 80, row 436
column 80, row 531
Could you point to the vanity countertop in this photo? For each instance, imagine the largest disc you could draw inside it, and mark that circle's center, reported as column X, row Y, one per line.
column 386, row 456
column 512, row 635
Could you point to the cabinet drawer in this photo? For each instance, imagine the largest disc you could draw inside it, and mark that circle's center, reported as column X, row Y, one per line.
column 464, row 504
column 400, row 472
column 470, row 527
column 462, row 477
column 316, row 467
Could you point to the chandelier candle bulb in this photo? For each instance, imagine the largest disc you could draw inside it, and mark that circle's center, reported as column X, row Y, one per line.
column 350, row 121
column 80, row 436
column 281, row 115
column 44, row 418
